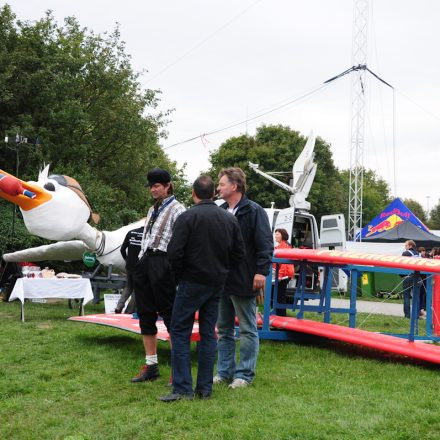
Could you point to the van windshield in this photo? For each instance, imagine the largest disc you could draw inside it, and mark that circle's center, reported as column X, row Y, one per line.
column 302, row 232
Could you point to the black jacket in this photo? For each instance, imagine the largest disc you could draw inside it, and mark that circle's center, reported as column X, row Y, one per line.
column 131, row 247
column 258, row 243
column 206, row 241
column 411, row 252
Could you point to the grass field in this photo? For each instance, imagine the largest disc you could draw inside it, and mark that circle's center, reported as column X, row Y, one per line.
column 65, row 380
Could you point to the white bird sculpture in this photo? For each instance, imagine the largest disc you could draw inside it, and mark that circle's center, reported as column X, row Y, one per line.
column 56, row 208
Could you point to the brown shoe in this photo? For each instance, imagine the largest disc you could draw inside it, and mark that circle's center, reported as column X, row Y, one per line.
column 148, row 372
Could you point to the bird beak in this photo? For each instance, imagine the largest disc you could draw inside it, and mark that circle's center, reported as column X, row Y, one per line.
column 26, row 195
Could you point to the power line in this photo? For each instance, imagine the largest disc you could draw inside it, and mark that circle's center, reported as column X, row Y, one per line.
column 244, row 121
column 279, row 107
column 192, row 49
column 429, row 112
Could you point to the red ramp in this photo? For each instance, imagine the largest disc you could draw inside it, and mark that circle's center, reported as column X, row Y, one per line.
column 385, row 343
column 126, row 322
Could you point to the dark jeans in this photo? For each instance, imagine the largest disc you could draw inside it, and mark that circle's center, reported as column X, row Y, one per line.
column 407, row 293
column 281, row 299
column 191, row 297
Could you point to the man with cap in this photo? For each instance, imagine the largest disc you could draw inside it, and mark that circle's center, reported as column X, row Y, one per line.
column 154, row 281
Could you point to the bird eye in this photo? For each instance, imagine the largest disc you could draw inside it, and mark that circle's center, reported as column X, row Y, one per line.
column 49, row 186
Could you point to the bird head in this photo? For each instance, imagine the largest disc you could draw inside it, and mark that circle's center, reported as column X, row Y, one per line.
column 53, row 207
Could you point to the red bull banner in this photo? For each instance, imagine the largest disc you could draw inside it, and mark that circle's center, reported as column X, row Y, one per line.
column 395, row 213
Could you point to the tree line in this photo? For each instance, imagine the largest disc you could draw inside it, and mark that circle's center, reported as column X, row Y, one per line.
column 76, row 97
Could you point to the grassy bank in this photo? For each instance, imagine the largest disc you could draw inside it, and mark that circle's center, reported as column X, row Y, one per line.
column 65, row 380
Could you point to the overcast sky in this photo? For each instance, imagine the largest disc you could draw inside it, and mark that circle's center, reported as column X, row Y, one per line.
column 220, row 61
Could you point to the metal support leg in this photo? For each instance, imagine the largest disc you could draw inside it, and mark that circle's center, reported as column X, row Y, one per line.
column 322, row 296
column 275, row 289
column 267, row 297
column 22, row 311
column 429, row 306
column 414, row 307
column 353, row 297
column 327, row 287
column 302, row 289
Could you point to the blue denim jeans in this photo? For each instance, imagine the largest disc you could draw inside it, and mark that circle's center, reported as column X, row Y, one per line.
column 245, row 309
column 191, row 297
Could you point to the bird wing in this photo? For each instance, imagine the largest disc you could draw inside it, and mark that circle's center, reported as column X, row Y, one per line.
column 63, row 251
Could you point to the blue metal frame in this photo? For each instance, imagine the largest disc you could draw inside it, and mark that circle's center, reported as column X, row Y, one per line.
column 324, row 306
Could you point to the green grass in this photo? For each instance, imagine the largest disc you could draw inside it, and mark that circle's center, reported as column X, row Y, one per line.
column 346, row 295
column 66, row 380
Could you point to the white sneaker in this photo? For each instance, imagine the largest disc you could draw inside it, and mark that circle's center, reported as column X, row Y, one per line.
column 238, row 383
column 218, row 379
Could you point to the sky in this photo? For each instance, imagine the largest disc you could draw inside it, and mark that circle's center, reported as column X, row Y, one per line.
column 217, row 62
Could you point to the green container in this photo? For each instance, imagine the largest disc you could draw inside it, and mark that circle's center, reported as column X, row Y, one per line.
column 388, row 283
column 366, row 282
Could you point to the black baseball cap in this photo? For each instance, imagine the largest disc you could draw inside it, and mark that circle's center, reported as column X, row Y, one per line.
column 158, row 175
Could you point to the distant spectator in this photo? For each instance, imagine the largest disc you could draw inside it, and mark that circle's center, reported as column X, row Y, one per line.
column 410, row 251
column 285, row 272
column 435, row 253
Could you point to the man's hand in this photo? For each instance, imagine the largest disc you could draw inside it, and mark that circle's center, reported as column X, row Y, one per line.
column 259, row 281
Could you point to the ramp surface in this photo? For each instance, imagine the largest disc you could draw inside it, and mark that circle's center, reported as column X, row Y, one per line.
column 126, row 322
column 385, row 343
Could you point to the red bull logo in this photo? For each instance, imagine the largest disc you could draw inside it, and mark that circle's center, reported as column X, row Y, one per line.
column 385, row 225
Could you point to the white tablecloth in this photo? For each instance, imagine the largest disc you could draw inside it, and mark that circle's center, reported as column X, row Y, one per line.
column 52, row 288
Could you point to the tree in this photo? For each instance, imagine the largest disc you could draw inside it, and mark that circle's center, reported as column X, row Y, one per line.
column 416, row 208
column 76, row 91
column 434, row 217
column 375, row 194
column 275, row 148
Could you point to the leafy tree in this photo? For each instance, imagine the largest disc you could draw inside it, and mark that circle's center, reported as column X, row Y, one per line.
column 416, row 208
column 76, row 92
column 375, row 194
column 434, row 217
column 275, row 148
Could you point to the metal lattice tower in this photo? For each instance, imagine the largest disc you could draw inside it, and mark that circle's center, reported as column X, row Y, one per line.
column 360, row 36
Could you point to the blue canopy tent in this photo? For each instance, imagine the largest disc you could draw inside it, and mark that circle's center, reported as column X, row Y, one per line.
column 406, row 231
column 394, row 214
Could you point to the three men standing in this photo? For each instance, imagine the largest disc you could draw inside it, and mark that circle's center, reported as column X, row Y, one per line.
column 154, row 282
column 221, row 262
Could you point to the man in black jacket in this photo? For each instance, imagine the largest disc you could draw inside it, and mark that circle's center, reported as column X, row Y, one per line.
column 130, row 251
column 206, row 242
column 243, row 283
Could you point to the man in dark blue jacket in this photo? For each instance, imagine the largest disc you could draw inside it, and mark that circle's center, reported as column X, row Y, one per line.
column 205, row 244
column 243, row 283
